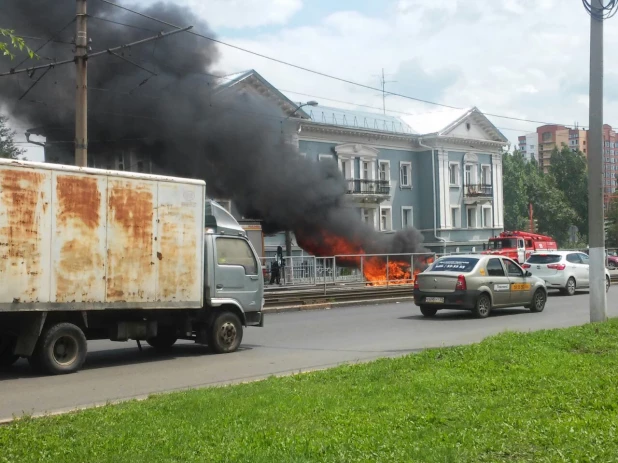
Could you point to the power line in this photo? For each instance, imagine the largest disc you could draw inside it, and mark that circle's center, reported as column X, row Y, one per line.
column 323, row 74
column 53, row 37
column 99, row 18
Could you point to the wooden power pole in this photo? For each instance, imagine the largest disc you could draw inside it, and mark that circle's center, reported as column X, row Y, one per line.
column 81, row 100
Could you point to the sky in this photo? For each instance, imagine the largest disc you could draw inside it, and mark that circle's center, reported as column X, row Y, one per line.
column 519, row 58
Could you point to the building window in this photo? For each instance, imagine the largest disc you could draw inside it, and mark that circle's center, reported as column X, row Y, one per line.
column 406, row 217
column 366, row 170
column 385, row 170
column 546, row 136
column 453, row 174
column 345, row 166
column 120, row 161
column 471, row 217
column 486, row 174
column 455, row 217
column 487, row 218
column 386, row 219
column 470, row 174
column 405, row 169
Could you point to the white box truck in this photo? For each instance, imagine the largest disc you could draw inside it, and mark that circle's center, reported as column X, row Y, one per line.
column 93, row 254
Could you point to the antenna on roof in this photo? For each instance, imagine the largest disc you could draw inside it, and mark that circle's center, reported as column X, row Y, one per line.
column 383, row 83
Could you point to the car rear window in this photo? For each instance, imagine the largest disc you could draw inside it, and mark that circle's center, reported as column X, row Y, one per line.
column 454, row 264
column 544, row 258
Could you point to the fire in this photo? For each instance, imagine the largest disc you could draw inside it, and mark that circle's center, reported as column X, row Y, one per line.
column 374, row 268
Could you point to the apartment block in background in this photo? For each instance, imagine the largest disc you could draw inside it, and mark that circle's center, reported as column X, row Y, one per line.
column 550, row 137
column 529, row 145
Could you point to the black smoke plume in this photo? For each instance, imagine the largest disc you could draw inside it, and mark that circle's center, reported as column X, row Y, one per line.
column 178, row 117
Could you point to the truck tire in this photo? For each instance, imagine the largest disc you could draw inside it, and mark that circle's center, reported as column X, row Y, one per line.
column 164, row 340
column 428, row 311
column 482, row 307
column 7, row 358
column 61, row 349
column 225, row 333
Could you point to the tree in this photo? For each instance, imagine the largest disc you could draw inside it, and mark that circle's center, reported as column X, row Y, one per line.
column 14, row 41
column 570, row 175
column 524, row 183
column 611, row 219
column 8, row 149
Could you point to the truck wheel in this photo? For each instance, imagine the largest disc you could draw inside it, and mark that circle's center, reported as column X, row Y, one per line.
column 428, row 311
column 538, row 301
column 7, row 358
column 61, row 349
column 225, row 333
column 164, row 340
column 482, row 307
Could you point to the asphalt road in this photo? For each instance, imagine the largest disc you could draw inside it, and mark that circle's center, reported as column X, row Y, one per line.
column 289, row 342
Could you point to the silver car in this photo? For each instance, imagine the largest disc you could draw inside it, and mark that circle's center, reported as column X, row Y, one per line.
column 477, row 283
column 567, row 271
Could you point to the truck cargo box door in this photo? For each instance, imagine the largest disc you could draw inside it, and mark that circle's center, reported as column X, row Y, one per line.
column 237, row 273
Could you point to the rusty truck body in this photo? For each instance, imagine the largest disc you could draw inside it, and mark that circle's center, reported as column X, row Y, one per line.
column 93, row 254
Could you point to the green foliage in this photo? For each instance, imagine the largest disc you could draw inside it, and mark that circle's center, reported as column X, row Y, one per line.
column 570, row 174
column 611, row 219
column 16, row 43
column 524, row 183
column 517, row 397
column 8, row 149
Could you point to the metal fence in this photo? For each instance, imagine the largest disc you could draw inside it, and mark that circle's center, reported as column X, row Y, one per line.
column 345, row 270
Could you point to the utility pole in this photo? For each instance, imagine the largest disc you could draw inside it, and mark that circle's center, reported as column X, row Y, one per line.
column 598, row 296
column 81, row 100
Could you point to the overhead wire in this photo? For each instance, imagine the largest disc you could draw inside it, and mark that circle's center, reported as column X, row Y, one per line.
column 53, row 37
column 323, row 74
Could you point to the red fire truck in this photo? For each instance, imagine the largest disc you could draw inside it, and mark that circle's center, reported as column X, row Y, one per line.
column 518, row 245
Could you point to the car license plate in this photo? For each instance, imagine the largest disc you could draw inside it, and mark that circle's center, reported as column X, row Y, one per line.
column 434, row 300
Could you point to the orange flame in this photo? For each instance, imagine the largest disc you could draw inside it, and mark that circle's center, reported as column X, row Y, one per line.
column 374, row 267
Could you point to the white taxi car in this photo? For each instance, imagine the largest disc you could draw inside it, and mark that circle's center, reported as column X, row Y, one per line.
column 567, row 271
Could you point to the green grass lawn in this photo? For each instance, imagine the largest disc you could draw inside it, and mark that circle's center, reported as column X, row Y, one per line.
column 545, row 396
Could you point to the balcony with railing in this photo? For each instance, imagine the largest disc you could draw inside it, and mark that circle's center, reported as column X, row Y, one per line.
column 474, row 191
column 377, row 188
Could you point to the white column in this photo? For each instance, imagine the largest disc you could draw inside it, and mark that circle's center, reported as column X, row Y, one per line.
column 443, row 189
column 498, row 216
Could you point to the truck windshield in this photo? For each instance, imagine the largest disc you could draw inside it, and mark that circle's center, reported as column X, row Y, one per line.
column 454, row 264
column 544, row 259
column 503, row 243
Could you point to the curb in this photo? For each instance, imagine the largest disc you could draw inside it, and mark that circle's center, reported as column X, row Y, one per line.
column 328, row 305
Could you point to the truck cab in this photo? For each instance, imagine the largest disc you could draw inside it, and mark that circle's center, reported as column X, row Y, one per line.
column 233, row 271
column 519, row 245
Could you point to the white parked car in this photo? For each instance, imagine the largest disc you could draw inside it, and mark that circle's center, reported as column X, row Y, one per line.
column 567, row 271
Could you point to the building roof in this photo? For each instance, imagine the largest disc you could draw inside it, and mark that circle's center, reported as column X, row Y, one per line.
column 359, row 119
column 442, row 121
column 252, row 77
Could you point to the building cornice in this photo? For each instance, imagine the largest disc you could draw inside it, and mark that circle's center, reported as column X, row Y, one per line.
column 355, row 131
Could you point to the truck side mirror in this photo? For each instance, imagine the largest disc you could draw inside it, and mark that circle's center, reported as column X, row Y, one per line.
column 528, row 274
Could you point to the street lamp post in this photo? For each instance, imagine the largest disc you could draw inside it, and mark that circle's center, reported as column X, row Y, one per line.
column 288, row 235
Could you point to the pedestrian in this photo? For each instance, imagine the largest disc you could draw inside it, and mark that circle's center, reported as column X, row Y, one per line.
column 274, row 272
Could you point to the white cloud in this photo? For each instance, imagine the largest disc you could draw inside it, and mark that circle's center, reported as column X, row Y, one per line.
column 510, row 57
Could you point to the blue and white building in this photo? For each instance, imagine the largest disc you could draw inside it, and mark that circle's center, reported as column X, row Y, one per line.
column 439, row 172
